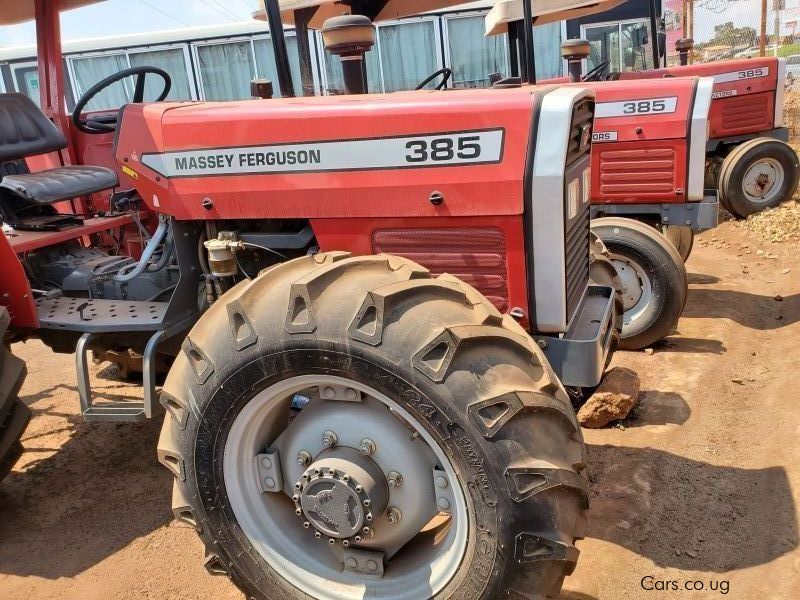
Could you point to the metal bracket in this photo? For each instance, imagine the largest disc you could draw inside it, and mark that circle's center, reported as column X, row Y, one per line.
column 268, row 468
column 367, row 563
column 697, row 215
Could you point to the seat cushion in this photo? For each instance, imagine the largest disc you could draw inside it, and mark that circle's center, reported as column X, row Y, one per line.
column 62, row 183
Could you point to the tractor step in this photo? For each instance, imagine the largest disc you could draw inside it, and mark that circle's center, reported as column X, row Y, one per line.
column 118, row 411
column 100, row 316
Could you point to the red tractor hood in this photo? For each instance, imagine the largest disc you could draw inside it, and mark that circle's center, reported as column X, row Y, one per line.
column 372, row 155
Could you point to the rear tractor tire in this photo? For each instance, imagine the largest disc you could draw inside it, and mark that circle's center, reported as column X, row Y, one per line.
column 14, row 414
column 327, row 421
column 653, row 277
column 758, row 174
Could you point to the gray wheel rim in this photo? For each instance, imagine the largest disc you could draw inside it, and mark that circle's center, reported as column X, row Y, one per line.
column 419, row 569
column 637, row 290
column 763, row 180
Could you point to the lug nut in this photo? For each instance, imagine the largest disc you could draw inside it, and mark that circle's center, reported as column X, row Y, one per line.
column 393, row 515
column 329, row 439
column 331, row 541
column 395, row 480
column 298, row 511
column 357, row 538
column 367, row 447
column 369, row 517
column 366, row 530
column 317, row 534
column 306, row 524
column 367, row 502
column 303, row 458
column 345, row 543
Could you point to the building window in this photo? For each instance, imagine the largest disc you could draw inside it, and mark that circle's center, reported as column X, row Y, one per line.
column 226, row 70
column 473, row 57
column 171, row 60
column 265, row 64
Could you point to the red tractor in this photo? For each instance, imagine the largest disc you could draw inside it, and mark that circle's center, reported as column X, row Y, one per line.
column 749, row 160
column 372, row 307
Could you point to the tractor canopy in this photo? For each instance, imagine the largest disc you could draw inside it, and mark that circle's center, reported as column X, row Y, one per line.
column 543, row 11
column 13, row 12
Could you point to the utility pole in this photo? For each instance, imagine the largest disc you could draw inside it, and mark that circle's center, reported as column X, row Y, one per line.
column 776, row 6
column 762, row 45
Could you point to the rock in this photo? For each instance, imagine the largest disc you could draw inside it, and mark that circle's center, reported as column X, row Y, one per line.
column 614, row 399
column 778, row 298
column 623, row 524
column 739, row 381
column 648, row 351
column 691, row 553
column 785, row 271
column 677, row 551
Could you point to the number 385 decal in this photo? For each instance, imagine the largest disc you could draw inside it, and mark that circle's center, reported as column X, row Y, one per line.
column 444, row 149
column 645, row 106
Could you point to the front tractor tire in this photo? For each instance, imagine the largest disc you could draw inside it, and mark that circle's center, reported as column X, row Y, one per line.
column 349, row 427
column 758, row 174
column 653, row 278
column 14, row 414
column 681, row 237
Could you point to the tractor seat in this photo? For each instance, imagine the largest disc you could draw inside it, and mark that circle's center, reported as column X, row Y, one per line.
column 62, row 183
column 26, row 131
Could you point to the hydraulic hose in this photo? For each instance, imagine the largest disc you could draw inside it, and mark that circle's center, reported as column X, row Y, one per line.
column 149, row 250
column 166, row 254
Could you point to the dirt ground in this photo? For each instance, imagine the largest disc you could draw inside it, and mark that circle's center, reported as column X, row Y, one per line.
column 699, row 487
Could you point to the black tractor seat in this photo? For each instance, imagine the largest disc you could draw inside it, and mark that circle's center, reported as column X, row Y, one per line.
column 26, row 131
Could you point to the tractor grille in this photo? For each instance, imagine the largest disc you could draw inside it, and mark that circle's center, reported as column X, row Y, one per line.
column 576, row 258
column 477, row 255
column 631, row 173
column 748, row 112
column 580, row 130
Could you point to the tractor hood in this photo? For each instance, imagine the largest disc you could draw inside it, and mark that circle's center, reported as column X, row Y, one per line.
column 368, row 156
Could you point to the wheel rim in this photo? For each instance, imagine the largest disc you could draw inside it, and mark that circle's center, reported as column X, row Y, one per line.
column 763, row 180
column 637, row 290
column 307, row 539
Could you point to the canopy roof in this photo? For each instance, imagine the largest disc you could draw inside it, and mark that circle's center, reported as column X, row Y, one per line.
column 19, row 11
column 393, row 9
column 543, row 11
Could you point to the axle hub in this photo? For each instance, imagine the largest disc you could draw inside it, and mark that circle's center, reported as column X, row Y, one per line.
column 341, row 494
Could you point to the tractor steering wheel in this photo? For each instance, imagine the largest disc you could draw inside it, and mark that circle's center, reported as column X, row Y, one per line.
column 445, row 73
column 596, row 73
column 108, row 122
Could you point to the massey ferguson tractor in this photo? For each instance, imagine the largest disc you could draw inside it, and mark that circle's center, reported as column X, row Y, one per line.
column 748, row 159
column 371, row 307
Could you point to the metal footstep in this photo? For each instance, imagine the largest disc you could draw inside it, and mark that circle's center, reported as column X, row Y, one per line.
column 117, row 411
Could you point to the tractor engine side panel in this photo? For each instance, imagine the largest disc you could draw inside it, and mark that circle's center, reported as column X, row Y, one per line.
column 745, row 93
column 641, row 139
column 332, row 157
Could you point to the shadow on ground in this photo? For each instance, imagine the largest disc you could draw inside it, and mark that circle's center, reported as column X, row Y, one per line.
column 689, row 514
column 749, row 310
column 83, row 501
column 659, row 408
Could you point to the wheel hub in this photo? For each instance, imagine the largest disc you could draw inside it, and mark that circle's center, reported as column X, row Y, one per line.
column 340, row 495
column 763, row 179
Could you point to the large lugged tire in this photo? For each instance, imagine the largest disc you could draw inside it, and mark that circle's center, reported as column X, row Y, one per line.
column 344, row 338
column 758, row 174
column 14, row 415
column 682, row 238
column 654, row 281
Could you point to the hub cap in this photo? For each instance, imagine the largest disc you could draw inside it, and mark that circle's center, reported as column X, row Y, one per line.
column 338, row 494
column 763, row 180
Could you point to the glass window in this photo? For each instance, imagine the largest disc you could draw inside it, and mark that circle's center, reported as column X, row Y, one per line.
column 627, row 46
column 226, row 70
column 636, row 49
column 408, row 54
column 27, row 80
column 604, row 46
column 474, row 56
column 173, row 61
column 90, row 70
column 265, row 63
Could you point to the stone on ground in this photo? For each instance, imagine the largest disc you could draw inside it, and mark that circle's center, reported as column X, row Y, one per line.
column 614, row 398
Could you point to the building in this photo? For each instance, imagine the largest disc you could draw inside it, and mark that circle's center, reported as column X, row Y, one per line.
column 218, row 63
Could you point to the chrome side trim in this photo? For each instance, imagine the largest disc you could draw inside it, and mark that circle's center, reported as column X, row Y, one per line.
column 779, row 93
column 547, row 214
column 698, row 136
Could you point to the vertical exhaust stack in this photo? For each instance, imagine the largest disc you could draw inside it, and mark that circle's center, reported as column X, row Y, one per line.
column 684, row 47
column 574, row 51
column 350, row 36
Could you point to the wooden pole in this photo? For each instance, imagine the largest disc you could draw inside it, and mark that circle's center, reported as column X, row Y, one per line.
column 762, row 45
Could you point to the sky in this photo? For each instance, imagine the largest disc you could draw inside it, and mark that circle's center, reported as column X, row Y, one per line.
column 118, row 17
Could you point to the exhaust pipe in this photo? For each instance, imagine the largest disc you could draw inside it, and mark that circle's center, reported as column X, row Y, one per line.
column 574, row 51
column 350, row 36
column 684, row 46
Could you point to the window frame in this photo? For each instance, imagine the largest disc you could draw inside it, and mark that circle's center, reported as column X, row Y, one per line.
column 619, row 24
